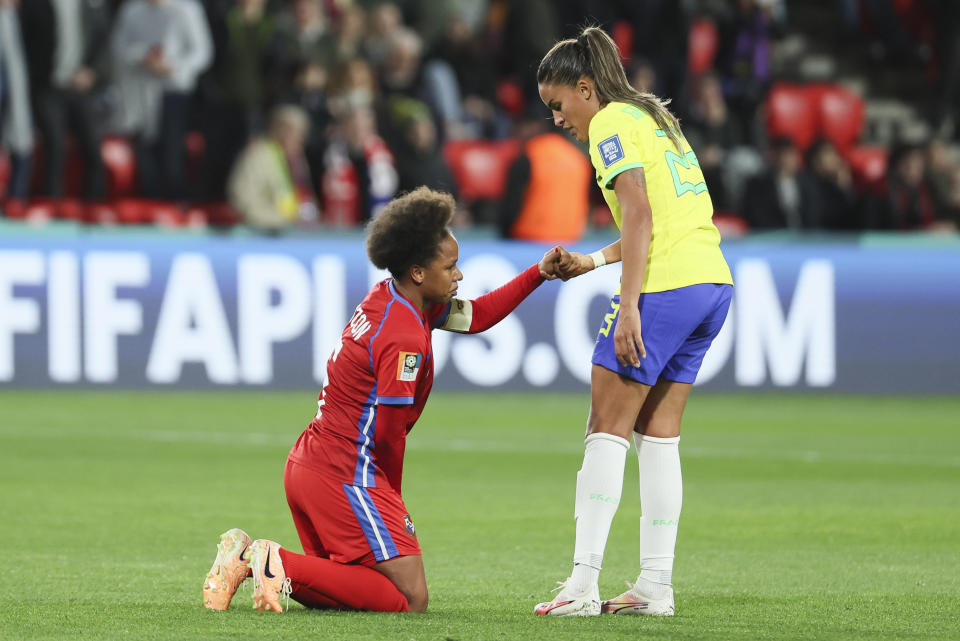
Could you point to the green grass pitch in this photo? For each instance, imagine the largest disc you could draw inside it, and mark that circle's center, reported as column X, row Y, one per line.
column 805, row 517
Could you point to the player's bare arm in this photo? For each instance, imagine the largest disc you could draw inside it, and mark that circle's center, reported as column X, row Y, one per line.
column 635, row 233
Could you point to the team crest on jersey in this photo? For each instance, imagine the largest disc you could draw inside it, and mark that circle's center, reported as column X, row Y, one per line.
column 610, row 150
column 408, row 525
column 409, row 366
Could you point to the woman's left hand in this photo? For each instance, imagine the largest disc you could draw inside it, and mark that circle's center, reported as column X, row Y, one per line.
column 626, row 337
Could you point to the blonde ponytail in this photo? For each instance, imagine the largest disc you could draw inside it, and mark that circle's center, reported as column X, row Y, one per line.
column 594, row 54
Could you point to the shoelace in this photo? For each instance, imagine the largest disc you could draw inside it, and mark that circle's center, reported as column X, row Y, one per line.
column 560, row 585
column 285, row 590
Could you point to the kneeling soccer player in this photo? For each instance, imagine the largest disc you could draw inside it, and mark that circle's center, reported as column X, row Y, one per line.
column 343, row 475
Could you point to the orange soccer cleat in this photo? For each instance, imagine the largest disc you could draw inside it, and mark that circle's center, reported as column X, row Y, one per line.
column 229, row 570
column 270, row 582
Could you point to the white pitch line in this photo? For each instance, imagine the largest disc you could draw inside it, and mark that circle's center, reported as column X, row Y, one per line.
column 560, row 446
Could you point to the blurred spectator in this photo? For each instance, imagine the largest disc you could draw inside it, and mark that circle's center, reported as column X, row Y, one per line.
column 349, row 33
column 546, row 198
column 353, row 85
column 525, row 30
column 237, row 94
column 385, row 19
column 16, row 125
column 660, row 33
column 712, row 132
column 476, row 77
column 359, row 176
column 160, row 47
column 833, row 186
column 309, row 92
column 434, row 83
column 784, row 196
column 304, row 35
column 270, row 185
column 642, row 76
column 420, row 159
column 67, row 47
column 904, row 200
column 943, row 176
column 744, row 57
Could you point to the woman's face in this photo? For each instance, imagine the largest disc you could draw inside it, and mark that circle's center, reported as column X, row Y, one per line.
column 573, row 107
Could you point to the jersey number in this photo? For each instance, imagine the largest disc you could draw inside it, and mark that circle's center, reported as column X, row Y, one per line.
column 686, row 161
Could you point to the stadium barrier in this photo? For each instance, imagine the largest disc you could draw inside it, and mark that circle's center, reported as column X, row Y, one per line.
column 875, row 314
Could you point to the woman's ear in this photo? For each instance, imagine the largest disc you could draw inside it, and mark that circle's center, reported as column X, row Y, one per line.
column 416, row 274
column 585, row 88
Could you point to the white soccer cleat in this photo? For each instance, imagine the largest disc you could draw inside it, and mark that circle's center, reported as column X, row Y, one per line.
column 638, row 600
column 569, row 604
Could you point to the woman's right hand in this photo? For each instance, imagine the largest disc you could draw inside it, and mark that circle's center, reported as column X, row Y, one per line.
column 573, row 264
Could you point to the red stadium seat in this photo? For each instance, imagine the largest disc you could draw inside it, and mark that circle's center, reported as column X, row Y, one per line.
column 730, row 224
column 14, row 209
column 869, row 164
column 792, row 113
column 841, row 114
column 702, row 47
column 510, row 97
column 40, row 210
column 5, row 170
column 100, row 214
column 136, row 211
column 480, row 166
column 622, row 35
column 120, row 165
column 221, row 215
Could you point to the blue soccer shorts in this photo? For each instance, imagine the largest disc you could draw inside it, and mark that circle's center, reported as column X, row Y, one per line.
column 677, row 327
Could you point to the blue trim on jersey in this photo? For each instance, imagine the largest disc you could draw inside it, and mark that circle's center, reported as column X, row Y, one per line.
column 397, row 296
column 365, row 469
column 443, row 317
column 374, row 529
column 395, row 400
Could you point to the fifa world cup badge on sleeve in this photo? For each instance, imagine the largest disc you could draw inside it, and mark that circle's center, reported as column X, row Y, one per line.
column 611, row 150
column 409, row 366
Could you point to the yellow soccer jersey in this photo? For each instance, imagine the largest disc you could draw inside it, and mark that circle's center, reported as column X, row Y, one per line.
column 685, row 245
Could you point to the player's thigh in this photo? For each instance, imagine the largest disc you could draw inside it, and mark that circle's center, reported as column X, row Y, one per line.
column 295, row 485
column 662, row 411
column 615, row 402
column 406, row 572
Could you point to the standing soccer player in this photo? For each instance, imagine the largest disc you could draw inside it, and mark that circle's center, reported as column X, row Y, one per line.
column 343, row 475
column 675, row 285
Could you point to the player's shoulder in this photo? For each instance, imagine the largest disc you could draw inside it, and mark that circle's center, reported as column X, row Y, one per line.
column 618, row 117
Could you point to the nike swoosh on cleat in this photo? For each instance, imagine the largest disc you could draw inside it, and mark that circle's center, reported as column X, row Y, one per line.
column 242, row 552
column 266, row 567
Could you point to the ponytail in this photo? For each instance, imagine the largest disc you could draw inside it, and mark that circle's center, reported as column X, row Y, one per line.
column 595, row 55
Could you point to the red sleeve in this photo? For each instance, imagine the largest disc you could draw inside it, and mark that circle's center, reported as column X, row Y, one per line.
column 398, row 361
column 391, row 431
column 491, row 308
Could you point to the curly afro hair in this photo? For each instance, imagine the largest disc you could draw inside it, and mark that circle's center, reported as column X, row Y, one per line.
column 409, row 230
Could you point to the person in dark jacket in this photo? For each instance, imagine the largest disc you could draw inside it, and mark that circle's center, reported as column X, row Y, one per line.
column 68, row 56
column 784, row 197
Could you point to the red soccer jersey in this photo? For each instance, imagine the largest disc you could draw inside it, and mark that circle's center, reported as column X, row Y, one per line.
column 384, row 358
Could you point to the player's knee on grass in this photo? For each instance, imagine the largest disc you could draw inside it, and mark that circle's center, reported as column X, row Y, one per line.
column 417, row 598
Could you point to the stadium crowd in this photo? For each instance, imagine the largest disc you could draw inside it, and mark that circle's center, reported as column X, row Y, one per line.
column 317, row 112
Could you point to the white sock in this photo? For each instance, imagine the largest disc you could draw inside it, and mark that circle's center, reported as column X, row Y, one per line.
column 661, row 497
column 599, row 484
